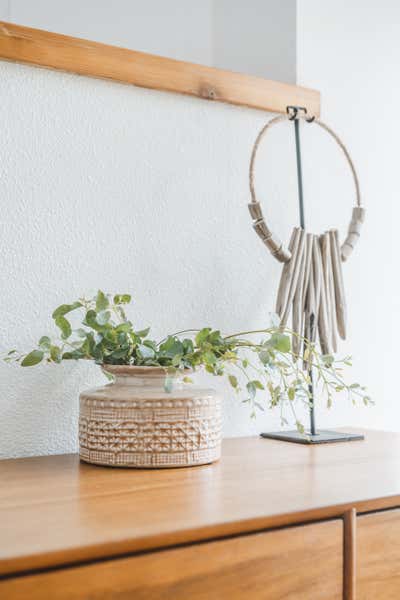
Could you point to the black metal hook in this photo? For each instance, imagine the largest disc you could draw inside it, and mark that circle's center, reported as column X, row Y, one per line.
column 293, row 113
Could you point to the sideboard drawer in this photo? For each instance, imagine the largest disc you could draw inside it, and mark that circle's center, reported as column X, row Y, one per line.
column 378, row 556
column 292, row 563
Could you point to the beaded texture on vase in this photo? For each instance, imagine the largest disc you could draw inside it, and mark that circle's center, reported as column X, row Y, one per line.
column 150, row 433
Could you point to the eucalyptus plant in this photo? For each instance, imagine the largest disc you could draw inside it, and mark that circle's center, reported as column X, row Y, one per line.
column 259, row 364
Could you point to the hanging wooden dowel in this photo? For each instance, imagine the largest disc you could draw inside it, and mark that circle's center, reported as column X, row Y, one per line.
column 340, row 301
column 324, row 244
column 310, row 302
column 297, row 307
column 331, row 289
column 297, row 258
column 317, row 271
column 287, row 271
column 307, row 268
column 323, row 320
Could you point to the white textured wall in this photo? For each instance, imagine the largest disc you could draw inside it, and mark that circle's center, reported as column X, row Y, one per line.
column 180, row 29
column 256, row 37
column 351, row 52
column 107, row 185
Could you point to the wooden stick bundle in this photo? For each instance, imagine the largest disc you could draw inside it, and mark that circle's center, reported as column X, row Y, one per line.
column 312, row 284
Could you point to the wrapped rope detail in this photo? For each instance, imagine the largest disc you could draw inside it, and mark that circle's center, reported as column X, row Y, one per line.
column 272, row 241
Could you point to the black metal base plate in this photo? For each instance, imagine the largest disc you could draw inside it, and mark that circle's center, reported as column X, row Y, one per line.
column 322, row 437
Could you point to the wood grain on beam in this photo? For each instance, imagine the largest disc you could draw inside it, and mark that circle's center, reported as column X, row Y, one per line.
column 65, row 53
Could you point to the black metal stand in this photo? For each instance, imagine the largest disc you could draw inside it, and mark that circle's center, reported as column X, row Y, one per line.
column 312, row 436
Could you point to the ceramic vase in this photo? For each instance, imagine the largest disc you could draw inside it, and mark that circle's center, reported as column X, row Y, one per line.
column 135, row 422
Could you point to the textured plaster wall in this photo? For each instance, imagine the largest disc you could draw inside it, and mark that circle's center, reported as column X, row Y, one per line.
column 351, row 52
column 104, row 185
column 257, row 37
column 162, row 27
column 111, row 186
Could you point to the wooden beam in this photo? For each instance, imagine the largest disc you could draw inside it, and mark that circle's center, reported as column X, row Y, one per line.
column 65, row 53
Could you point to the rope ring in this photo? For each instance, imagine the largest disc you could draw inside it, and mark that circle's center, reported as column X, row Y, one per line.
column 276, row 247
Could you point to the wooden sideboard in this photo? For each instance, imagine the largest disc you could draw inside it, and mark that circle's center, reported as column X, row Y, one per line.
column 270, row 520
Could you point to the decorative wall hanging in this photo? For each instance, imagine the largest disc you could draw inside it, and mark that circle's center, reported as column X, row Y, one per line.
column 311, row 289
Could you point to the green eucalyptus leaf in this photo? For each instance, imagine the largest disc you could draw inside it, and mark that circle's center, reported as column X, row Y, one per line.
column 64, row 326
column 143, row 332
column 258, row 384
column 176, row 360
column 280, row 342
column 74, row 355
column 251, row 388
column 233, row 381
column 171, row 347
column 102, row 301
column 118, row 354
column 122, row 339
column 188, row 347
column 103, row 317
column 90, row 320
column 64, row 309
column 202, row 335
column 44, row 343
column 124, row 327
column 328, row 360
column 33, row 358
column 145, row 352
column 209, row 357
column 122, row 299
column 98, row 352
column 150, row 344
column 55, row 354
column 215, row 338
column 121, row 313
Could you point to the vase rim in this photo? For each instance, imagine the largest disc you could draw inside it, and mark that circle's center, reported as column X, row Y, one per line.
column 135, row 370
